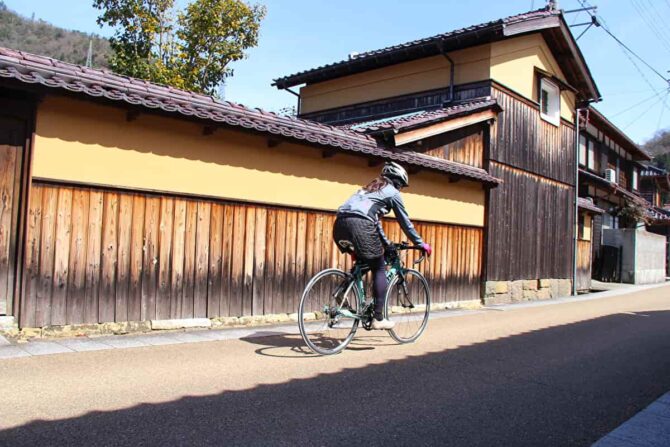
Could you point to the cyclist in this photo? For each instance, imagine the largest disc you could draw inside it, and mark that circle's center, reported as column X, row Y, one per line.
column 358, row 229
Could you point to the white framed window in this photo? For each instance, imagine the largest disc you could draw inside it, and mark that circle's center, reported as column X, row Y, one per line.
column 591, row 164
column 550, row 102
column 634, row 179
column 582, row 150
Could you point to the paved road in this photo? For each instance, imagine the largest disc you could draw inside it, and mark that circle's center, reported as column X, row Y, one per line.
column 556, row 375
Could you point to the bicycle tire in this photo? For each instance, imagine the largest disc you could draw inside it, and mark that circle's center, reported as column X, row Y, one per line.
column 410, row 322
column 312, row 326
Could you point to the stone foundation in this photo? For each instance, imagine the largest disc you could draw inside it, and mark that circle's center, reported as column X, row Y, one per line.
column 507, row 292
column 133, row 327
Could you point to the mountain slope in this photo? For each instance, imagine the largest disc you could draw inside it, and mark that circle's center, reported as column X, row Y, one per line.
column 40, row 37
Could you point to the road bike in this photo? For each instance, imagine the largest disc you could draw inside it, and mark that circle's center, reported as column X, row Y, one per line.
column 334, row 303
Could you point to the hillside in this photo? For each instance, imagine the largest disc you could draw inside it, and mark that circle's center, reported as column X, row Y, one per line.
column 40, row 37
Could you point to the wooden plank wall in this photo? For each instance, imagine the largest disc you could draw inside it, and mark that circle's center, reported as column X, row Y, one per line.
column 98, row 255
column 10, row 175
column 583, row 265
column 530, row 222
column 468, row 150
column 522, row 139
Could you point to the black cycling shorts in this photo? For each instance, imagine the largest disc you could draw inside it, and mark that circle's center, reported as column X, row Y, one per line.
column 357, row 234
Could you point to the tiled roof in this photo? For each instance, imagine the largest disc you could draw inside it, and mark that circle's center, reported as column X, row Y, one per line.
column 659, row 215
column 300, row 77
column 95, row 83
column 617, row 189
column 421, row 118
column 587, row 204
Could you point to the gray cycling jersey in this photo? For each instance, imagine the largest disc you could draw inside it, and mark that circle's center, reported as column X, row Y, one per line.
column 373, row 205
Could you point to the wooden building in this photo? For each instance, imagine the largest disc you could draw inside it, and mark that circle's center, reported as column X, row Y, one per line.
column 610, row 166
column 530, row 66
column 124, row 200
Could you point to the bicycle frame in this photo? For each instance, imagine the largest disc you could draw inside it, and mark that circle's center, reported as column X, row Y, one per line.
column 355, row 279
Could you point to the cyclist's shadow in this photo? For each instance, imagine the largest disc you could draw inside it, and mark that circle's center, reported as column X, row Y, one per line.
column 277, row 344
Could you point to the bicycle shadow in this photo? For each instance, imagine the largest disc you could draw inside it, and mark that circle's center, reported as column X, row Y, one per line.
column 287, row 345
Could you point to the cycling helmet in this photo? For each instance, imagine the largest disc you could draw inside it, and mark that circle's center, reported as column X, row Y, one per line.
column 395, row 173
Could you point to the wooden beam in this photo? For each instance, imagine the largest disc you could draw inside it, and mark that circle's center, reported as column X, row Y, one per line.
column 328, row 153
column 273, row 142
column 454, row 179
column 445, row 126
column 373, row 162
column 132, row 115
column 413, row 170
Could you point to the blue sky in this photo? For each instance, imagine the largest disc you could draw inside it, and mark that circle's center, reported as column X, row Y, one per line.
column 301, row 34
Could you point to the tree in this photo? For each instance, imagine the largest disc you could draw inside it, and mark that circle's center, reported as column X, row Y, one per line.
column 659, row 147
column 189, row 49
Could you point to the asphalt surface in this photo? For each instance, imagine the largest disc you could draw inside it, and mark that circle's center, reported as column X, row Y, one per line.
column 538, row 376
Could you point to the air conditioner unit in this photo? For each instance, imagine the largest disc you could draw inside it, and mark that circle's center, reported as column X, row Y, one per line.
column 610, row 175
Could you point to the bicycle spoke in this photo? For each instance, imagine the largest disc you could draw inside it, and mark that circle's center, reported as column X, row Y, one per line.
column 323, row 325
column 408, row 306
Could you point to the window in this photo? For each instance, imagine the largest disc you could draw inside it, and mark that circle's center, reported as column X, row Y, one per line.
column 582, row 150
column 634, row 179
column 550, row 103
column 592, row 156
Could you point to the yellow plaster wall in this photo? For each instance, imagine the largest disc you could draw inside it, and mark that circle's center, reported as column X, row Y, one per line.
column 83, row 142
column 472, row 65
column 513, row 63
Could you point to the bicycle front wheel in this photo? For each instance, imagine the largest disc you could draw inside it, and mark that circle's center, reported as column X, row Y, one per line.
column 326, row 307
column 408, row 306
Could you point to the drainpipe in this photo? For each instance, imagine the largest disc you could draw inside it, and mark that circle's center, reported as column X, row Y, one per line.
column 452, row 70
column 575, row 222
column 297, row 95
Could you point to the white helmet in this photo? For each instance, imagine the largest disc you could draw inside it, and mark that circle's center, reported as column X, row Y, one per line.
column 396, row 172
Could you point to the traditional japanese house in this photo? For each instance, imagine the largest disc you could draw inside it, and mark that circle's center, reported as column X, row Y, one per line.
column 129, row 201
column 610, row 164
column 427, row 95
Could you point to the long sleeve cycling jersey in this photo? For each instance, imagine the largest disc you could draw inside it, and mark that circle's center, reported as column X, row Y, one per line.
column 374, row 205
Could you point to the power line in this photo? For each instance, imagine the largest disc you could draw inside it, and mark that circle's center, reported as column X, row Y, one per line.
column 660, row 118
column 655, row 95
column 604, row 26
column 650, row 21
column 640, row 116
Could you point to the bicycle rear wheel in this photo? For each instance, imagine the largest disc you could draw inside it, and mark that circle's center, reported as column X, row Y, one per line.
column 321, row 316
column 408, row 306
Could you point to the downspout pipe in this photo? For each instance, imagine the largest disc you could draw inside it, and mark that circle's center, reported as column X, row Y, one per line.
column 297, row 95
column 575, row 226
column 452, row 71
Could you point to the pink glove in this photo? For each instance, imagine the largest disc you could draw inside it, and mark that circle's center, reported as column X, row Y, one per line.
column 427, row 248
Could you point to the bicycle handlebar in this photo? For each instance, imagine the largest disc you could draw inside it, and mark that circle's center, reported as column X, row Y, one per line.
column 405, row 246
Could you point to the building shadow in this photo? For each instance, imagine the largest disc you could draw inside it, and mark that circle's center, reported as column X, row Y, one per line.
column 559, row 386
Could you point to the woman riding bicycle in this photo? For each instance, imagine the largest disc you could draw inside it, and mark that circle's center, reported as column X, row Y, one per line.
column 358, row 229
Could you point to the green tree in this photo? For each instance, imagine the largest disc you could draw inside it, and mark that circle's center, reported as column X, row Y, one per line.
column 189, row 49
column 659, row 147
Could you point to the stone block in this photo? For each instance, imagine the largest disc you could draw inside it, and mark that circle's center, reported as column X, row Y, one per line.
column 530, row 284
column 113, row 328
column 545, row 283
column 501, row 298
column 502, row 287
column 554, row 288
column 490, row 288
column 182, row 323
column 544, row 294
column 30, row 332
column 144, row 326
column 70, row 330
column 516, row 290
column 564, row 287
column 529, row 295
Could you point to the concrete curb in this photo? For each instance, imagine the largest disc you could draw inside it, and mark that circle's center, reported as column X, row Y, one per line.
column 649, row 428
column 126, row 340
